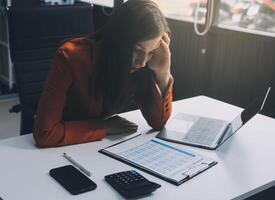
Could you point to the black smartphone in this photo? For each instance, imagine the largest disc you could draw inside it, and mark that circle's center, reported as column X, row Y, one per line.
column 72, row 179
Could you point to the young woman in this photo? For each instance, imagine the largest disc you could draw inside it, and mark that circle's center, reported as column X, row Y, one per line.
column 92, row 79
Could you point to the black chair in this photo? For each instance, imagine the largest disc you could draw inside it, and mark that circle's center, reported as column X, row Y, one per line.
column 34, row 34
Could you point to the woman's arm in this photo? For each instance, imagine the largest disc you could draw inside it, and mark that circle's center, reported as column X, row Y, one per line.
column 155, row 106
column 49, row 129
column 154, row 96
column 160, row 63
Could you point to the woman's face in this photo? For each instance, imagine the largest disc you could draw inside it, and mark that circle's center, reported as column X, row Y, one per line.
column 143, row 52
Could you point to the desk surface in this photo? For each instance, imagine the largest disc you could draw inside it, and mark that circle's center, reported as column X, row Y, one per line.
column 245, row 162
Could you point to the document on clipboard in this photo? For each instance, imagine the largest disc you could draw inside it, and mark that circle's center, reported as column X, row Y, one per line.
column 160, row 158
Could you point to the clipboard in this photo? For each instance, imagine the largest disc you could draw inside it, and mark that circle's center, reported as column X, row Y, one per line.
column 167, row 161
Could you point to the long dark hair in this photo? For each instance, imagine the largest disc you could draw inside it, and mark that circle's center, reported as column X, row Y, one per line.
column 134, row 21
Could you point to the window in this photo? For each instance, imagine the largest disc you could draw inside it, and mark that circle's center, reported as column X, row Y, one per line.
column 182, row 9
column 257, row 16
column 248, row 14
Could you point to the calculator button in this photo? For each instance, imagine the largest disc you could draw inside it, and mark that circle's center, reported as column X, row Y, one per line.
column 131, row 183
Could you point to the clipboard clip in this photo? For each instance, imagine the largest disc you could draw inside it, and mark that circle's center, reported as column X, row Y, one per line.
column 195, row 169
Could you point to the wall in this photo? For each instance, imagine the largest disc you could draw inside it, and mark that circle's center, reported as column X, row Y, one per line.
column 228, row 65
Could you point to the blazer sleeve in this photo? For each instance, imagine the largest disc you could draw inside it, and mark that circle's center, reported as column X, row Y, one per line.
column 49, row 129
column 155, row 107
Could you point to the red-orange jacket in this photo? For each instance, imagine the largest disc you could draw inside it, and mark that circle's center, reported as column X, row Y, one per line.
column 69, row 113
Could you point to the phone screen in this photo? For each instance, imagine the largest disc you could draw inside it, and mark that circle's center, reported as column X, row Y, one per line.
column 72, row 179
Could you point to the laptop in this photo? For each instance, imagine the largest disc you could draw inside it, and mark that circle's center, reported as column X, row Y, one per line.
column 206, row 132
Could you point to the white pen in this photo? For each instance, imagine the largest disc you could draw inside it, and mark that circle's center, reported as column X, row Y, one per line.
column 87, row 172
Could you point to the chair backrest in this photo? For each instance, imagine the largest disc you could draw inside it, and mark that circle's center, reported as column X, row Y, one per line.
column 24, row 4
column 34, row 34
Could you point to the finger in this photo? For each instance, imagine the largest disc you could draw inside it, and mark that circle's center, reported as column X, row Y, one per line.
column 125, row 121
column 119, row 120
column 122, row 119
column 165, row 47
column 110, row 117
column 126, row 130
column 130, row 125
column 166, row 38
column 114, row 118
column 134, row 125
column 131, row 130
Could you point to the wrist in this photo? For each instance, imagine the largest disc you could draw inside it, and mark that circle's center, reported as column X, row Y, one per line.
column 163, row 81
column 163, row 76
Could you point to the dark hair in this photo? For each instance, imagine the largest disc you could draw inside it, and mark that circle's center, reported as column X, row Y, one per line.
column 134, row 21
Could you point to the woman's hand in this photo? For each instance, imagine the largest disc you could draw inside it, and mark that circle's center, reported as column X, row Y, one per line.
column 161, row 61
column 118, row 125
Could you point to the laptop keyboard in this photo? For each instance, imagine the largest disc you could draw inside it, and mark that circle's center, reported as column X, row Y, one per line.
column 204, row 131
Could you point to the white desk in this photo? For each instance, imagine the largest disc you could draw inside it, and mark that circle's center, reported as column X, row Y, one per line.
column 245, row 166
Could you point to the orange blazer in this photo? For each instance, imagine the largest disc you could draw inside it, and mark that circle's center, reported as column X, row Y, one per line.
column 69, row 113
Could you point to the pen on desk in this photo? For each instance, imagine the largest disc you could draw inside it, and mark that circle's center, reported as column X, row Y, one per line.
column 87, row 172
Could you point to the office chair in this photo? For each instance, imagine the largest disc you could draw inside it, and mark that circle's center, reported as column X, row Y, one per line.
column 35, row 33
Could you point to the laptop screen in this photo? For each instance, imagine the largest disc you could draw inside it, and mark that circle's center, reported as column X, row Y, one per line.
column 255, row 106
column 252, row 109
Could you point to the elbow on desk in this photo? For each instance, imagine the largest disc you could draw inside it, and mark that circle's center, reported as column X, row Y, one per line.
column 157, row 125
column 157, row 128
column 45, row 138
column 40, row 143
column 41, row 139
column 158, row 122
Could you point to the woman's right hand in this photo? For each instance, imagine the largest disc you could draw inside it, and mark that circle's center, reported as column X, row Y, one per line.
column 117, row 125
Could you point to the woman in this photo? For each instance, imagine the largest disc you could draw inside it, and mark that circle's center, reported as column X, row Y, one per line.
column 93, row 78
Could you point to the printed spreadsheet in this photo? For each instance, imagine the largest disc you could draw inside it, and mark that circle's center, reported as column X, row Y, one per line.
column 160, row 157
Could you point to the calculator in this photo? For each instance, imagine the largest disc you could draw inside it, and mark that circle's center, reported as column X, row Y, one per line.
column 131, row 184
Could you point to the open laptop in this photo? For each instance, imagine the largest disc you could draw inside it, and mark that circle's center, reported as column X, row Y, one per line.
column 206, row 132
